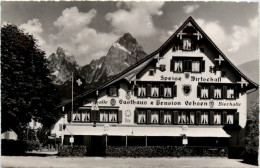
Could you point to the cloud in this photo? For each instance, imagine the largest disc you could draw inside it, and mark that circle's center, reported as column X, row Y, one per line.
column 190, row 8
column 34, row 27
column 75, row 35
column 242, row 36
column 137, row 19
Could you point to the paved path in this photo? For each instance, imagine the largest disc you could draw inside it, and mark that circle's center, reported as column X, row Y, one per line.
column 108, row 162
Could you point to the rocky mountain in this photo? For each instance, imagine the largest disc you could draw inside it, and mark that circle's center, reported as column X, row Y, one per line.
column 62, row 64
column 122, row 54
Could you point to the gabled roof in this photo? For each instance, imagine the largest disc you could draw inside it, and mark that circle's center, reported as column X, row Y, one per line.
column 149, row 57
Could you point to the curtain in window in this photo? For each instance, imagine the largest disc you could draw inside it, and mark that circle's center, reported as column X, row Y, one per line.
column 182, row 117
column 167, row 118
column 205, row 92
column 155, row 91
column 187, row 44
column 167, row 91
column 230, row 93
column 76, row 117
column 86, row 116
column 195, row 66
column 142, row 91
column 141, row 117
column 103, row 116
column 204, row 118
column 192, row 117
column 112, row 116
column 155, row 117
column 230, row 119
column 178, row 66
column 217, row 118
column 217, row 92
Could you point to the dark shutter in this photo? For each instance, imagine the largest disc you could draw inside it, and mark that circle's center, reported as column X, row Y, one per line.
column 189, row 65
column 224, row 117
column 69, row 116
column 174, row 91
column 211, row 92
column 161, row 116
column 198, row 117
column 224, row 92
column 202, row 66
column 211, row 117
column 98, row 116
column 236, row 90
column 120, row 116
column 93, row 116
column 136, row 90
column 175, row 117
column 149, row 90
column 198, row 91
column 136, row 116
column 161, row 90
column 148, row 116
column 172, row 65
column 236, row 118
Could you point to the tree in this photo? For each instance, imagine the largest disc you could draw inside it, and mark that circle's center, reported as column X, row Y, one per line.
column 27, row 91
column 252, row 135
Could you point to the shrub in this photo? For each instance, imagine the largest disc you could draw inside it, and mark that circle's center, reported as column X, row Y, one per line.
column 13, row 147
column 76, row 150
column 32, row 145
column 160, row 151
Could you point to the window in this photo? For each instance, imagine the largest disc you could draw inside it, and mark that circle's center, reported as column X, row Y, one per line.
column 151, row 72
column 142, row 116
column 155, row 91
column 230, row 118
column 217, row 117
column 85, row 116
column 167, row 91
column 230, row 93
column 113, row 91
column 178, row 66
column 76, row 117
column 142, row 91
column 60, row 127
column 186, row 44
column 191, row 117
column 187, row 65
column 217, row 92
column 205, row 92
column 204, row 118
column 108, row 116
column 155, row 117
column 167, row 117
column 182, row 117
column 195, row 66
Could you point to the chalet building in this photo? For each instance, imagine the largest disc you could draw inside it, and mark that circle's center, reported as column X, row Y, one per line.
column 187, row 92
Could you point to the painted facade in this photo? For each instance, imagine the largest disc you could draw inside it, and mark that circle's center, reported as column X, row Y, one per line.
column 187, row 88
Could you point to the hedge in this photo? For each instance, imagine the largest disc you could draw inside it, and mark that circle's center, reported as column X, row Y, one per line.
column 160, row 151
column 76, row 150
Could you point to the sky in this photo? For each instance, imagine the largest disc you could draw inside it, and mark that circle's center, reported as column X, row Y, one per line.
column 88, row 29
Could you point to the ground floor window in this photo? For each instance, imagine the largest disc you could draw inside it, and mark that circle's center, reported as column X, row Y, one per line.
column 108, row 116
column 155, row 117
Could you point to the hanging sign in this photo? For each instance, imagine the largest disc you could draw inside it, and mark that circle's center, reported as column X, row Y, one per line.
column 72, row 139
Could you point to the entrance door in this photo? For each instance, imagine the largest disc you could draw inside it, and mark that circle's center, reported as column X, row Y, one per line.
column 97, row 146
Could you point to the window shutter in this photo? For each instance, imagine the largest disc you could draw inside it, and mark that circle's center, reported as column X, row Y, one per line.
column 93, row 116
column 189, row 65
column 136, row 90
column 149, row 116
column 236, row 90
column 198, row 117
column 224, row 93
column 161, row 116
column 175, row 117
column 172, row 65
column 224, row 117
column 202, row 66
column 98, row 116
column 211, row 95
column 174, row 91
column 69, row 116
column 198, row 91
column 211, row 117
column 136, row 116
column 161, row 90
column 120, row 116
column 149, row 90
column 236, row 118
